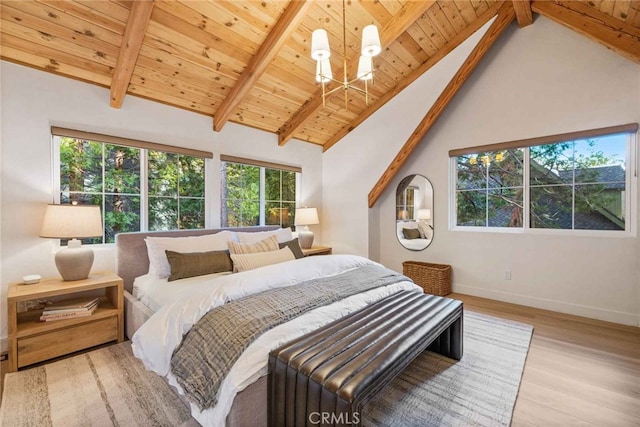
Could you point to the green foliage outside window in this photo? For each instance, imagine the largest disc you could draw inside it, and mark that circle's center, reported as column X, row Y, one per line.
column 241, row 196
column 110, row 176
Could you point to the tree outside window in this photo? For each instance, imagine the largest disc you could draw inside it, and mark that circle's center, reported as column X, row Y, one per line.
column 257, row 195
column 572, row 185
column 110, row 176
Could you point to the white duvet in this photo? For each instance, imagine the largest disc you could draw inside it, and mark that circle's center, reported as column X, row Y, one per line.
column 155, row 340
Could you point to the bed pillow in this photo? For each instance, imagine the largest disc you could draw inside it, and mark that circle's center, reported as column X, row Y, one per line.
column 185, row 265
column 245, row 262
column 411, row 233
column 282, row 234
column 156, row 247
column 424, row 230
column 294, row 245
column 266, row 245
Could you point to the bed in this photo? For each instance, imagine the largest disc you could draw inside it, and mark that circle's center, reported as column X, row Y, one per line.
column 157, row 321
column 415, row 244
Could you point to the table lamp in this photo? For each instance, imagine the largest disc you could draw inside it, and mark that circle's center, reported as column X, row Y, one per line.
column 306, row 216
column 72, row 222
column 424, row 214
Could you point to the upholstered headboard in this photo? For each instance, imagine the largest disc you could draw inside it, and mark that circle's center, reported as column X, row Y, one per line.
column 131, row 250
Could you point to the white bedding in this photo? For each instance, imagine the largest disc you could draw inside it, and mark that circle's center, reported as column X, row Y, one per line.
column 415, row 244
column 155, row 292
column 156, row 340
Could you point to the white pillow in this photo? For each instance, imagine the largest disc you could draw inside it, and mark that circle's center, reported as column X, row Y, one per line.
column 245, row 262
column 283, row 235
column 156, row 247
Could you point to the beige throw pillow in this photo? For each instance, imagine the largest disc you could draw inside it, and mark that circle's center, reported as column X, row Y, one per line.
column 267, row 245
column 245, row 262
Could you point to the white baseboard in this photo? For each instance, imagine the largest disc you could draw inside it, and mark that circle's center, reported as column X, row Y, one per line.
column 632, row 319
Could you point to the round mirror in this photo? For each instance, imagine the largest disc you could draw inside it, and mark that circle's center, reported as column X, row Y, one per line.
column 414, row 212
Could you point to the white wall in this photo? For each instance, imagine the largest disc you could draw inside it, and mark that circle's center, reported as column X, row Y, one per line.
column 33, row 101
column 540, row 80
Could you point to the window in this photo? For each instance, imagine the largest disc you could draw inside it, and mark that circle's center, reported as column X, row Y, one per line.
column 405, row 203
column 575, row 183
column 489, row 190
column 138, row 189
column 257, row 193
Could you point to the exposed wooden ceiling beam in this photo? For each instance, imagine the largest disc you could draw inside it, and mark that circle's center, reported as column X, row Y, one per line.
column 505, row 16
column 423, row 68
column 602, row 28
column 396, row 26
column 129, row 49
column 281, row 31
column 523, row 12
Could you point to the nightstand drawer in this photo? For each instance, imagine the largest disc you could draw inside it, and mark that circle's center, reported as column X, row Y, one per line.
column 38, row 348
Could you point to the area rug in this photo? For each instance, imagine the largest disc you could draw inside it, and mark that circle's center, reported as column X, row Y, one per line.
column 479, row 390
column 105, row 387
column 110, row 387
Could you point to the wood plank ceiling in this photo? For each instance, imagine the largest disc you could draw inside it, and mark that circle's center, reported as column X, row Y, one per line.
column 249, row 62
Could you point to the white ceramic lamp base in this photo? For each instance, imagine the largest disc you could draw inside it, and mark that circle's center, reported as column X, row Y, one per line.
column 305, row 238
column 74, row 262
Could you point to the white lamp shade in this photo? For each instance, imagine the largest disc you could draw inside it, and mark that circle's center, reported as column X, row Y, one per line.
column 365, row 68
column 71, row 222
column 306, row 216
column 320, row 45
column 424, row 214
column 323, row 71
column 370, row 41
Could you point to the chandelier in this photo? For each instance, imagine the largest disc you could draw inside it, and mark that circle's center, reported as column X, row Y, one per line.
column 320, row 52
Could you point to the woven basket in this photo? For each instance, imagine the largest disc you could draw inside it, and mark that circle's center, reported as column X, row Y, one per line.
column 435, row 279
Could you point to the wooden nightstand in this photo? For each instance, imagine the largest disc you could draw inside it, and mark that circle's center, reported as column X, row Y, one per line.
column 32, row 341
column 317, row 250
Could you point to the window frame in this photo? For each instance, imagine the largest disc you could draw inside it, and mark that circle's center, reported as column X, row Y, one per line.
column 144, row 147
column 631, row 198
column 262, row 165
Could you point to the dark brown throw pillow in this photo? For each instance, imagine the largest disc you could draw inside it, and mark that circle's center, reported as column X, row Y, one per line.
column 411, row 233
column 193, row 264
column 294, row 245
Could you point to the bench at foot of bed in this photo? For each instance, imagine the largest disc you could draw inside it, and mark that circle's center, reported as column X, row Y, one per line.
column 340, row 367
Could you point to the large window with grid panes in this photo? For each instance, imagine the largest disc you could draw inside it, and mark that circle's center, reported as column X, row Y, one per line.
column 138, row 188
column 579, row 183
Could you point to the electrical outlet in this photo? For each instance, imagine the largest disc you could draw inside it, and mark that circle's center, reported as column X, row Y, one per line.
column 507, row 275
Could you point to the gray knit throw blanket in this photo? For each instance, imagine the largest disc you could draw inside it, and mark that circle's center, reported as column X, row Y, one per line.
column 215, row 342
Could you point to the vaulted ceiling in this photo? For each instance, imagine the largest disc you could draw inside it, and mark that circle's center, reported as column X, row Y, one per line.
column 249, row 62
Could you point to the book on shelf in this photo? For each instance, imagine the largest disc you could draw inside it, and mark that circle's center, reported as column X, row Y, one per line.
column 73, row 304
column 47, row 316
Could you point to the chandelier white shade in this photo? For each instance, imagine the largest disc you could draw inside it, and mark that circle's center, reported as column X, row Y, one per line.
column 323, row 71
column 320, row 45
column 365, row 68
column 370, row 41
column 321, row 52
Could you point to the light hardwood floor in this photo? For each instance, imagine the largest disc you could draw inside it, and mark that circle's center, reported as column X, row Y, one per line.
column 579, row 371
